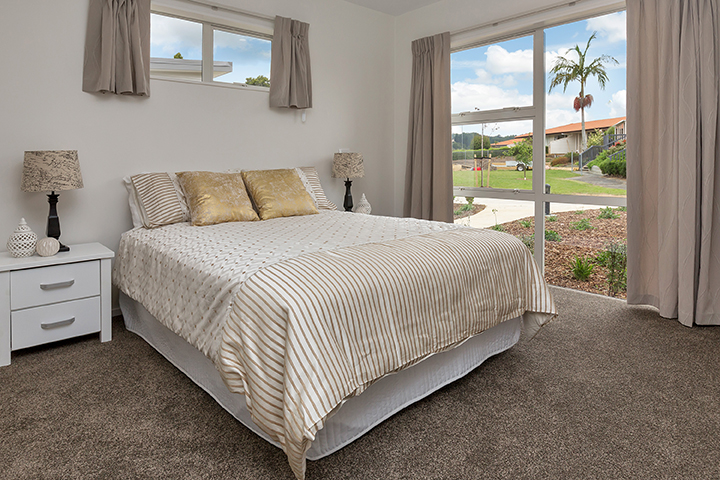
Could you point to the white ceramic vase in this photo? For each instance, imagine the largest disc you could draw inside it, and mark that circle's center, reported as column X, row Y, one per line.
column 363, row 206
column 22, row 242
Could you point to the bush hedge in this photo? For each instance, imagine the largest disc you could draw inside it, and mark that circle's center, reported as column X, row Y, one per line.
column 559, row 161
column 616, row 166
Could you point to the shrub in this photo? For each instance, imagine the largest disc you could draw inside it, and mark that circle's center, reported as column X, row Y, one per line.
column 525, row 223
column 607, row 213
column 498, row 228
column 582, row 268
column 529, row 241
column 621, row 209
column 616, row 264
column 551, row 218
column 583, row 224
column 601, row 258
column 559, row 161
column 552, row 236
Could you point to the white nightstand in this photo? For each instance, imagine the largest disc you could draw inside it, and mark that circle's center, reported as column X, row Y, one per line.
column 46, row 299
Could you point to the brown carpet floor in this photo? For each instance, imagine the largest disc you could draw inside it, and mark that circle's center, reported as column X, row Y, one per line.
column 605, row 391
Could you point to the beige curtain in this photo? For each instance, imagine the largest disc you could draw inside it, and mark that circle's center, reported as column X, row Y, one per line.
column 673, row 167
column 290, row 78
column 117, row 47
column 428, row 178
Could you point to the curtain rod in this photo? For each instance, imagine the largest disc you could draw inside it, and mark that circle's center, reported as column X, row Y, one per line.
column 531, row 13
column 216, row 7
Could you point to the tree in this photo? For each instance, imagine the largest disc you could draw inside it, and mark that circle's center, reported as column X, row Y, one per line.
column 260, row 80
column 523, row 153
column 479, row 142
column 178, row 55
column 567, row 70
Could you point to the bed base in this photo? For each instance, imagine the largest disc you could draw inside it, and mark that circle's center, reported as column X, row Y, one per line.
column 357, row 415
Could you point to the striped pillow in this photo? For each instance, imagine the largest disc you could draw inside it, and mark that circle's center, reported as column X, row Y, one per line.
column 158, row 198
column 316, row 190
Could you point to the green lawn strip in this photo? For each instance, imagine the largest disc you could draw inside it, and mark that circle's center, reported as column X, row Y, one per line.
column 560, row 182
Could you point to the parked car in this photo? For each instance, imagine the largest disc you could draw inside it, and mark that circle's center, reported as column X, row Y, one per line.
column 519, row 166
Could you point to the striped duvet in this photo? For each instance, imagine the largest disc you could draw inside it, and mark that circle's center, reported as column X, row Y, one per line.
column 302, row 321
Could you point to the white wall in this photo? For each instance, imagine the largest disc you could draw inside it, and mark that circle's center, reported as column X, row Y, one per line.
column 181, row 126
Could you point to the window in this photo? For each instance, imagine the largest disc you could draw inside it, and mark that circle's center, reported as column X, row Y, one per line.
column 502, row 113
column 195, row 49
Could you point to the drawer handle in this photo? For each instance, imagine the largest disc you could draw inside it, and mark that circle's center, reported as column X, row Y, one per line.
column 61, row 323
column 52, row 286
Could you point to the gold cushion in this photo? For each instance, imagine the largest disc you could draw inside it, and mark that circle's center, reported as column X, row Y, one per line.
column 278, row 193
column 216, row 197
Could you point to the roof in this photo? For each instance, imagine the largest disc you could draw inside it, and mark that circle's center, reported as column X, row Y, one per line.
column 506, row 143
column 577, row 127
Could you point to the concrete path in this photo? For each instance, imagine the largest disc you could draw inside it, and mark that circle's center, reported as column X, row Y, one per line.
column 511, row 210
column 597, row 178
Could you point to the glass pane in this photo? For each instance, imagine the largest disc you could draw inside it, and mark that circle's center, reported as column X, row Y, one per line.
column 591, row 159
column 493, row 155
column 493, row 77
column 241, row 59
column 585, row 248
column 175, row 48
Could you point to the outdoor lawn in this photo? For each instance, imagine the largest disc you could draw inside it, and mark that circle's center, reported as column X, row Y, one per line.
column 560, row 181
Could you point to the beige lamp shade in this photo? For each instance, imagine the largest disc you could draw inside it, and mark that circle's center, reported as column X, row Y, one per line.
column 348, row 165
column 51, row 171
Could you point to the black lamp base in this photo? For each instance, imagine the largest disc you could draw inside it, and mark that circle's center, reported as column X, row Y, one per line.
column 53, row 225
column 348, row 203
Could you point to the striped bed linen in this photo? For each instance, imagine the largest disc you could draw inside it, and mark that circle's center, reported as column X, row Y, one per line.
column 310, row 332
column 346, row 298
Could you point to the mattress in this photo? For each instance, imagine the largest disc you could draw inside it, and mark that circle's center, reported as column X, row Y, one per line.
column 300, row 315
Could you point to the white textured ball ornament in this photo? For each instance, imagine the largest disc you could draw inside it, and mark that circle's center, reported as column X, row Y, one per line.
column 47, row 247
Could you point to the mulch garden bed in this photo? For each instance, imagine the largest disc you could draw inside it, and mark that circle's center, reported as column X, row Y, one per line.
column 476, row 208
column 559, row 255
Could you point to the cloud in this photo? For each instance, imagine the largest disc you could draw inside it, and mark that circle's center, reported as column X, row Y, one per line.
column 611, row 27
column 500, row 60
column 174, row 35
column 618, row 103
column 468, row 96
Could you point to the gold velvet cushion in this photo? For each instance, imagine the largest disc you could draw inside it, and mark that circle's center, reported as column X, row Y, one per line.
column 278, row 193
column 216, row 197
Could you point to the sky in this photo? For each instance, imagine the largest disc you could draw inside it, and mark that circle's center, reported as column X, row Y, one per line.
column 500, row 75
column 250, row 56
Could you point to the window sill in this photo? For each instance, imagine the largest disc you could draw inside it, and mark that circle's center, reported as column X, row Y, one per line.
column 233, row 86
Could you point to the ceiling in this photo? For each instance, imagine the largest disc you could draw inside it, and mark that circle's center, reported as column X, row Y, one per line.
column 393, row 7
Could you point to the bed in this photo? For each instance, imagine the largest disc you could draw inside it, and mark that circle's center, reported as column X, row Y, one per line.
column 312, row 329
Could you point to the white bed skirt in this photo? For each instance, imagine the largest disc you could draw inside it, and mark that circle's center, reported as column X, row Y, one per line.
column 359, row 414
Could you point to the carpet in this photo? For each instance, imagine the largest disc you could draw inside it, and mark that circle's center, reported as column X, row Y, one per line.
column 604, row 391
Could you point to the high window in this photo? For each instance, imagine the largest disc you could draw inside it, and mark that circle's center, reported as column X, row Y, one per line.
column 195, row 49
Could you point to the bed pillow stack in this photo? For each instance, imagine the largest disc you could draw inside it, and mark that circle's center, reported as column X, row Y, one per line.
column 207, row 198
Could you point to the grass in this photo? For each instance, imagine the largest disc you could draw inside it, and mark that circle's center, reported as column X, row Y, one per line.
column 560, row 181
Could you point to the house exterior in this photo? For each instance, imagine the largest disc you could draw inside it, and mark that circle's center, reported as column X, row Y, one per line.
column 568, row 138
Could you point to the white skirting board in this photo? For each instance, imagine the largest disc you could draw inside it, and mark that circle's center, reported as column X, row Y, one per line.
column 357, row 415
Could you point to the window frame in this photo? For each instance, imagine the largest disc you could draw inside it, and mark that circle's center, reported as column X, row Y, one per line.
column 209, row 25
column 536, row 112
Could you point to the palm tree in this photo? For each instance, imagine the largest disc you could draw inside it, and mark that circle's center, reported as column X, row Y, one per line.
column 567, row 70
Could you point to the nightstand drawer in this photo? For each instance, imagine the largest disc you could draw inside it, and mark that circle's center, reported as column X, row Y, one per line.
column 42, row 286
column 35, row 326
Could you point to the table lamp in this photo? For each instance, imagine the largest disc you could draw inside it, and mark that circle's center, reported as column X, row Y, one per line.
column 51, row 171
column 347, row 166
